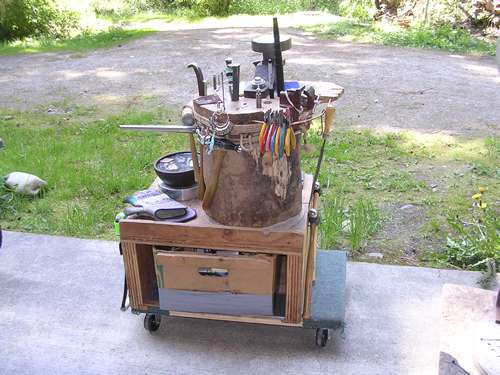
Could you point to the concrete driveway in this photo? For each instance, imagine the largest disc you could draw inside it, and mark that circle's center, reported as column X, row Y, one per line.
column 59, row 314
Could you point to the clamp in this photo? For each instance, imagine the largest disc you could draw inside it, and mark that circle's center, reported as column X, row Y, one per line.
column 313, row 216
column 316, row 188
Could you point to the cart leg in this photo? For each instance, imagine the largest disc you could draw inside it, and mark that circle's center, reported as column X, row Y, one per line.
column 322, row 336
column 152, row 322
column 124, row 297
column 123, row 307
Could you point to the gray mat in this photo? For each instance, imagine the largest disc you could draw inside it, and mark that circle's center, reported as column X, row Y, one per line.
column 328, row 296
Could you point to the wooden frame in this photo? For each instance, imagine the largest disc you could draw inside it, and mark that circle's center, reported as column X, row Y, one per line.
column 290, row 238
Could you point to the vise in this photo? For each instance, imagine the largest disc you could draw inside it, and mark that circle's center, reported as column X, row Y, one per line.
column 269, row 69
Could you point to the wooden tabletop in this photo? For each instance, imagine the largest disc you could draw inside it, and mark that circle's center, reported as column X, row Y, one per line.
column 203, row 232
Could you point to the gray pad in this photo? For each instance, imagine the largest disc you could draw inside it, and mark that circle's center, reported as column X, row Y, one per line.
column 328, row 294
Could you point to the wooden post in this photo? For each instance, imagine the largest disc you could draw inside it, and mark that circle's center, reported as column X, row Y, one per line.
column 139, row 271
column 132, row 274
column 294, row 290
column 311, row 259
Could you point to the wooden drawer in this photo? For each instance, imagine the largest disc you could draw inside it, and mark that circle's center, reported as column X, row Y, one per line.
column 217, row 284
column 237, row 274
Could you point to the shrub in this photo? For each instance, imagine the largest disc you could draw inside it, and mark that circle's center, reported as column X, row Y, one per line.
column 359, row 9
column 279, row 6
column 25, row 18
column 127, row 7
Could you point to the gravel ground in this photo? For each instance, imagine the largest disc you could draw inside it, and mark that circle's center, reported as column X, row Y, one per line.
column 386, row 88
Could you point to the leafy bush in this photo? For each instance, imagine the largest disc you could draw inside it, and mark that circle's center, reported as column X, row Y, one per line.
column 279, row 6
column 128, row 7
column 439, row 37
column 359, row 9
column 211, row 7
column 24, row 18
column 442, row 37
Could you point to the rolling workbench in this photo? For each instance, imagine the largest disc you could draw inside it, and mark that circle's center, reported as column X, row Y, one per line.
column 313, row 282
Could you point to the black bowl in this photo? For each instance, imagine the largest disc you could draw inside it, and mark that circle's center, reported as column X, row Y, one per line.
column 175, row 179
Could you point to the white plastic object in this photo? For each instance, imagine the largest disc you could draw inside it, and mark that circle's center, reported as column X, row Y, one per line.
column 24, row 183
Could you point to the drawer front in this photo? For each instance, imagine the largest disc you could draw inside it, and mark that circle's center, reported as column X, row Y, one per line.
column 238, row 274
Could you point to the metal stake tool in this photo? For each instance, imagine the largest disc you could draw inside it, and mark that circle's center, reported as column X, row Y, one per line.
column 222, row 88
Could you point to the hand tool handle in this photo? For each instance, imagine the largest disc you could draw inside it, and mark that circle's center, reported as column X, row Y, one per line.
column 214, row 179
column 201, row 183
column 187, row 116
column 194, row 157
column 133, row 210
column 329, row 115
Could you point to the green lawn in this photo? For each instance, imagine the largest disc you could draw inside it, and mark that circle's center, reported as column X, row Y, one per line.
column 83, row 42
column 91, row 165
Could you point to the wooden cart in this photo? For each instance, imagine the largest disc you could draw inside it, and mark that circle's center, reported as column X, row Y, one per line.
column 314, row 282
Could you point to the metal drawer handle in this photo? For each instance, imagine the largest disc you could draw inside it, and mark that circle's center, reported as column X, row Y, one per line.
column 215, row 272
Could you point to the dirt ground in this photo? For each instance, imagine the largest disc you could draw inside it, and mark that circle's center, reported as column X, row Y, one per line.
column 385, row 88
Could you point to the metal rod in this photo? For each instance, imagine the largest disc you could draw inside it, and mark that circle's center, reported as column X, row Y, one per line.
column 271, row 78
column 235, row 93
column 199, row 78
column 258, row 98
column 280, row 80
column 160, row 128
column 222, row 88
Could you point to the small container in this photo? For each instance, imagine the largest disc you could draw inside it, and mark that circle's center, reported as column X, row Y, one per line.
column 176, row 169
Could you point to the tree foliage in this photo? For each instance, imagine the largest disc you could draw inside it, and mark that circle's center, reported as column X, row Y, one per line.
column 23, row 18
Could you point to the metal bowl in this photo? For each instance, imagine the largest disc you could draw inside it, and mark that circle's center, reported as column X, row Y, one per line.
column 177, row 179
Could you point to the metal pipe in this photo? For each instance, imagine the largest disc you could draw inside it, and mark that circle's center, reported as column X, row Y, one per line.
column 199, row 78
column 235, row 92
column 278, row 60
column 258, row 98
column 270, row 78
column 222, row 89
column 160, row 128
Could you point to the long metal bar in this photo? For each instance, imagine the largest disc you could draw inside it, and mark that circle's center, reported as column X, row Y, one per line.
column 159, row 128
column 278, row 60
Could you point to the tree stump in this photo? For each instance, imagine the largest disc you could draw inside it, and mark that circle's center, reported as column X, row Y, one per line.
column 252, row 190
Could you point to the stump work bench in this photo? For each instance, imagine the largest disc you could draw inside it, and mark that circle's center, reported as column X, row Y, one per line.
column 312, row 283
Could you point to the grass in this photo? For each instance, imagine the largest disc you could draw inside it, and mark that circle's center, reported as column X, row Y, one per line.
column 366, row 177
column 443, row 37
column 84, row 42
column 89, row 167
column 348, row 224
column 370, row 176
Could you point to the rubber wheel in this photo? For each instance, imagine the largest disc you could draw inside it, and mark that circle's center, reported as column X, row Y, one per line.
column 152, row 322
column 322, row 336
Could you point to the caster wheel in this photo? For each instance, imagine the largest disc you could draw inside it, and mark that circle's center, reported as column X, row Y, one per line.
column 152, row 322
column 322, row 336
